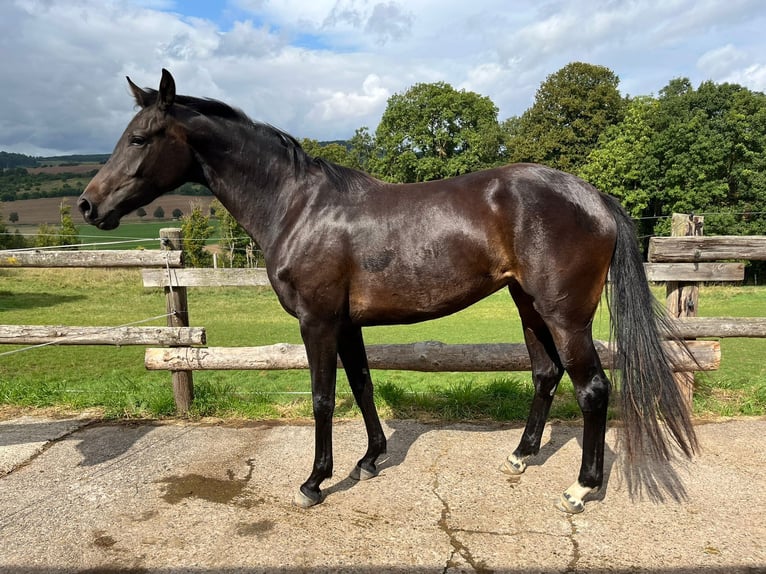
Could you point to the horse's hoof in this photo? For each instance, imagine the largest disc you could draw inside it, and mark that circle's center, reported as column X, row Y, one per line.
column 359, row 473
column 567, row 503
column 572, row 501
column 304, row 501
column 513, row 465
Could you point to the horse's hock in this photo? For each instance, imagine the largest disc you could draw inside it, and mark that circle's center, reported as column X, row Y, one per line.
column 685, row 259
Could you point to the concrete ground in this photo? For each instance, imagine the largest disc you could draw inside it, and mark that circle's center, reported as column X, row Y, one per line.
column 78, row 496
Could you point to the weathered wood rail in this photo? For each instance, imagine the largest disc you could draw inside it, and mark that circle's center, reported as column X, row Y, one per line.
column 707, row 248
column 427, row 356
column 117, row 336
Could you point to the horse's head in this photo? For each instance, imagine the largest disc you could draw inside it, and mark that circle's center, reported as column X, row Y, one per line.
column 152, row 157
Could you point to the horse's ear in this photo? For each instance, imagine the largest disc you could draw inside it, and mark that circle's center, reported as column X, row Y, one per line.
column 167, row 94
column 142, row 97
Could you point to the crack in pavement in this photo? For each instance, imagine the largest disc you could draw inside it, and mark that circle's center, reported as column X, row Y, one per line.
column 572, row 566
column 459, row 548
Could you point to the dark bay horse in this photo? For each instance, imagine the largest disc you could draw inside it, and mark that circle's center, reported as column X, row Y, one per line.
column 345, row 251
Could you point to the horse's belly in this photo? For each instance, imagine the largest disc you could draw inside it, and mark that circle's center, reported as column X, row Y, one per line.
column 380, row 303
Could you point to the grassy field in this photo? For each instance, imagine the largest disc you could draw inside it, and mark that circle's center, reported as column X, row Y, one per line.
column 114, row 381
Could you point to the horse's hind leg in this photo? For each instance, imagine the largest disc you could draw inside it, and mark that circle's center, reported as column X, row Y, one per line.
column 354, row 358
column 592, row 389
column 547, row 371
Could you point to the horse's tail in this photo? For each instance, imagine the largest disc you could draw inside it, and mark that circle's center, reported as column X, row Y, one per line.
column 648, row 391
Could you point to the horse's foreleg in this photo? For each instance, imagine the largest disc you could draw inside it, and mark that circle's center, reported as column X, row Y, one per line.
column 354, row 358
column 321, row 349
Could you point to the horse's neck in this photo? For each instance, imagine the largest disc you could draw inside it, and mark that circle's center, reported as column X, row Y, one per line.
column 248, row 176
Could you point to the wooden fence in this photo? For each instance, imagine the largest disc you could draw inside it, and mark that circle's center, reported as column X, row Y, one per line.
column 183, row 346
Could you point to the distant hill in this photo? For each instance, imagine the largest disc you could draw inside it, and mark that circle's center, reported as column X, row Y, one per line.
column 74, row 159
column 9, row 160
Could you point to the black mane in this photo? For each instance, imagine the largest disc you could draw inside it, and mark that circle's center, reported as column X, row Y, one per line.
column 343, row 178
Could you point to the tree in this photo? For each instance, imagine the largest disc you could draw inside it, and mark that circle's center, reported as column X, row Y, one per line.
column 68, row 234
column 434, row 131
column 47, row 236
column 572, row 108
column 177, row 213
column 13, row 217
column 361, row 149
column 195, row 230
column 234, row 240
column 10, row 240
column 141, row 212
column 701, row 151
column 333, row 152
column 623, row 164
column 159, row 213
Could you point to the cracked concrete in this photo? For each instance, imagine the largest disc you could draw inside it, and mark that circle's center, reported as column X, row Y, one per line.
column 208, row 498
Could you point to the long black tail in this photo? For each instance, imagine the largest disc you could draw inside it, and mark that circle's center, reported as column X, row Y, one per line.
column 649, row 394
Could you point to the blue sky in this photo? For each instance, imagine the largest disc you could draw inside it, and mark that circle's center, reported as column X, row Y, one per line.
column 323, row 68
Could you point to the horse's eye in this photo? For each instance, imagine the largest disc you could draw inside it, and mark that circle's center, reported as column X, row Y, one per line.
column 137, row 140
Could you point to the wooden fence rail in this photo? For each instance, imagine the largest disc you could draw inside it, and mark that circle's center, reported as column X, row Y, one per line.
column 707, row 248
column 428, row 356
column 117, row 336
column 106, row 258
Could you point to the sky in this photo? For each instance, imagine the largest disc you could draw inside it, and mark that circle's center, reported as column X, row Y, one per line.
column 321, row 69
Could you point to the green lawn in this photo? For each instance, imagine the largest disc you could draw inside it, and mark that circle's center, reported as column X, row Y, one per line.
column 115, row 381
column 128, row 236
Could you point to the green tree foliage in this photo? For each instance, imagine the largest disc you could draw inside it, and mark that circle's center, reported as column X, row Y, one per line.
column 47, row 236
column 63, row 235
column 434, row 131
column 68, row 234
column 688, row 150
column 195, row 230
column 361, row 149
column 710, row 145
column 235, row 242
column 572, row 109
column 8, row 239
column 159, row 213
column 333, row 152
column 623, row 164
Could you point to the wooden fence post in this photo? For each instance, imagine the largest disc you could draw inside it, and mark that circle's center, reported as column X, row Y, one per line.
column 178, row 310
column 682, row 297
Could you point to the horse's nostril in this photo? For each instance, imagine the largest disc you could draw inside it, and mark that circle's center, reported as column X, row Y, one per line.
column 84, row 206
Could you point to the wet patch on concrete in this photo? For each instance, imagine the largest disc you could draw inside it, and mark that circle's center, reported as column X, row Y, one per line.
column 220, row 491
column 255, row 529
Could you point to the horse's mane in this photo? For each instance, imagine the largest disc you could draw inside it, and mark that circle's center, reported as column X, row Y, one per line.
column 343, row 178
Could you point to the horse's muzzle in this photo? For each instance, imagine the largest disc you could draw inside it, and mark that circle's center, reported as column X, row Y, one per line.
column 91, row 215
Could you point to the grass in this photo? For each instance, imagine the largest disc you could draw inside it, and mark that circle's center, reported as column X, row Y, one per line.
column 114, row 381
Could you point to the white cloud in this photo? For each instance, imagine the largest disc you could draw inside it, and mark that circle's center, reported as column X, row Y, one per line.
column 753, row 76
column 321, row 69
column 340, row 106
column 719, row 62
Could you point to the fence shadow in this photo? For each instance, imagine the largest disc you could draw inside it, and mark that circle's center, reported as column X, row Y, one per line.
column 11, row 301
